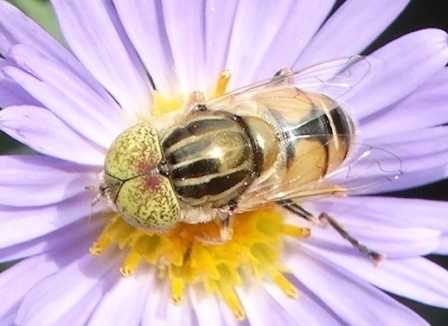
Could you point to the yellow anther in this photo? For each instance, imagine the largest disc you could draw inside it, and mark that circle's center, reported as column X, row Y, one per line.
column 130, row 264
column 282, row 282
column 231, row 299
column 222, row 83
column 102, row 243
column 295, row 231
column 95, row 249
column 177, row 289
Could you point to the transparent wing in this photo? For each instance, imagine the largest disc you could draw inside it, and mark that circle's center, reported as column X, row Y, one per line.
column 298, row 98
column 338, row 79
column 293, row 99
column 366, row 168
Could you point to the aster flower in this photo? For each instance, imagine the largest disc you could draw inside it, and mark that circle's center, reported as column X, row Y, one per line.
column 69, row 106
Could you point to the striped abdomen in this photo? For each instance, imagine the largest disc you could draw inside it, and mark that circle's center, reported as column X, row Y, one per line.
column 211, row 158
column 318, row 144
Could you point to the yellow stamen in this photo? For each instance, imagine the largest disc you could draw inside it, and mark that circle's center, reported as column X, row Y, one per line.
column 221, row 85
column 295, row 231
column 130, row 264
column 177, row 284
column 163, row 105
column 183, row 259
column 282, row 282
column 232, row 301
column 106, row 238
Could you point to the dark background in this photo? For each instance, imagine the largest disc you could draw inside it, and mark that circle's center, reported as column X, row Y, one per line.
column 420, row 14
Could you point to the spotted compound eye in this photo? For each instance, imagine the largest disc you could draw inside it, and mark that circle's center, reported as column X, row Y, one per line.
column 142, row 196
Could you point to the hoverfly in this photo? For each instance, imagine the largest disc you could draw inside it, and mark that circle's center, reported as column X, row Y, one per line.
column 278, row 141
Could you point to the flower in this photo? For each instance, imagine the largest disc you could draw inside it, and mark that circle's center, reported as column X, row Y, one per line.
column 71, row 109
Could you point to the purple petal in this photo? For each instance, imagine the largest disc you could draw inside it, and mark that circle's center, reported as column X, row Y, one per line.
column 161, row 310
column 175, row 315
column 443, row 247
column 24, row 176
column 66, row 96
column 393, row 242
column 384, row 159
column 38, row 128
column 250, row 32
column 423, row 108
column 219, row 18
column 410, row 214
column 425, row 51
column 414, row 179
column 34, row 222
column 53, row 297
column 155, row 309
column 17, row 28
column 300, row 24
column 263, row 309
column 127, row 296
column 184, row 25
column 417, row 151
column 10, row 92
column 350, row 29
column 143, row 22
column 306, row 310
column 8, row 317
column 207, row 307
column 414, row 278
column 80, row 311
column 75, row 232
column 418, row 279
column 387, row 211
column 341, row 292
column 97, row 38
column 13, row 94
column 19, row 279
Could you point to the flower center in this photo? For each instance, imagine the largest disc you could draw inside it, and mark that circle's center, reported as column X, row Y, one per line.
column 184, row 259
column 187, row 254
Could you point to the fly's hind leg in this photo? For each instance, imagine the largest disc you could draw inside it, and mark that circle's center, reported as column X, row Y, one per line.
column 325, row 218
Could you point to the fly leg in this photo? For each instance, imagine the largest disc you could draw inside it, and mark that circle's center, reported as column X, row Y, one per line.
column 225, row 226
column 195, row 102
column 325, row 218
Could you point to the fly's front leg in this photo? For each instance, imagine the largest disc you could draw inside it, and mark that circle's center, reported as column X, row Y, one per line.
column 224, row 221
column 195, row 102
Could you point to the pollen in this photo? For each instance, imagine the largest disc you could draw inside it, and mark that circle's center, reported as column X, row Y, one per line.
column 185, row 260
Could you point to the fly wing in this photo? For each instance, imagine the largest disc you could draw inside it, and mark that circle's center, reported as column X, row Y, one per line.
column 366, row 169
column 295, row 97
column 338, row 79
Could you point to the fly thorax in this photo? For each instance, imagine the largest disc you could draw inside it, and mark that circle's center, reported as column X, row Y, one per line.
column 211, row 157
